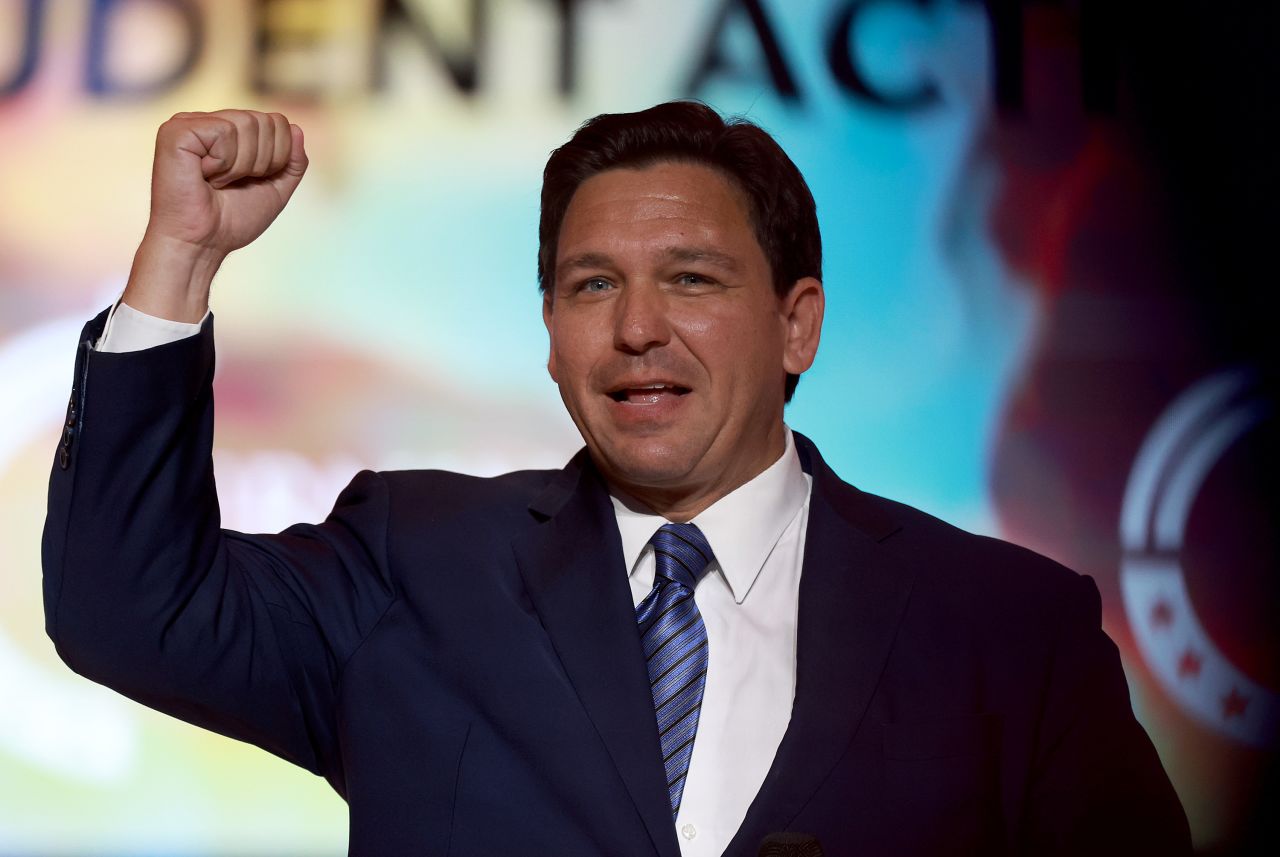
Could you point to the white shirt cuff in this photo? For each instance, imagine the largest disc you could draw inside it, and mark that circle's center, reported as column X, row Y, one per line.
column 127, row 329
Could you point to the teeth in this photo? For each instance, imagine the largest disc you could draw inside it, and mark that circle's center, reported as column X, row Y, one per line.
column 644, row 392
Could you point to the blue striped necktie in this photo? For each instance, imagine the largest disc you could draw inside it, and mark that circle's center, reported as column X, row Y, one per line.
column 675, row 644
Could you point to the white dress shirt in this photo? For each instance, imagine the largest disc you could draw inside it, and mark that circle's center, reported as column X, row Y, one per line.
column 129, row 330
column 748, row 599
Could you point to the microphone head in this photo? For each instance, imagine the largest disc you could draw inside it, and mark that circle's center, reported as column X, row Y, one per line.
column 790, row 845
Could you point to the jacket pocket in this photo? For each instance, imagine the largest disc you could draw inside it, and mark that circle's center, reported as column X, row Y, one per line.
column 941, row 785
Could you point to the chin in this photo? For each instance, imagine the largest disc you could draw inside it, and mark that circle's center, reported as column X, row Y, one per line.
column 649, row 466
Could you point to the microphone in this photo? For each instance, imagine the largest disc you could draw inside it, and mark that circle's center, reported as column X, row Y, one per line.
column 790, row 845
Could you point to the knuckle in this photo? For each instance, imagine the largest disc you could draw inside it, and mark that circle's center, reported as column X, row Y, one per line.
column 176, row 122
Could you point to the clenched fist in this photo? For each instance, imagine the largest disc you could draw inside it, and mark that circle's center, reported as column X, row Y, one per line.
column 218, row 181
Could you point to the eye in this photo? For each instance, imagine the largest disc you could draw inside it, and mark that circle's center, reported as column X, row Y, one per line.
column 594, row 285
column 690, row 280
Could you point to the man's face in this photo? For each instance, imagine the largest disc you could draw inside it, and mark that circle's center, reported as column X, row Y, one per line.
column 668, row 341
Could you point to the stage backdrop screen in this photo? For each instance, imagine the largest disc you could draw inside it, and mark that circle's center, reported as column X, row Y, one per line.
column 1013, row 341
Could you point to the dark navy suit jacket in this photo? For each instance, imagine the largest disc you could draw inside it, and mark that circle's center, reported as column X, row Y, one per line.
column 459, row 657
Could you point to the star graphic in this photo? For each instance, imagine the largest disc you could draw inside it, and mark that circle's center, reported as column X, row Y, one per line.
column 1162, row 614
column 1189, row 665
column 1233, row 704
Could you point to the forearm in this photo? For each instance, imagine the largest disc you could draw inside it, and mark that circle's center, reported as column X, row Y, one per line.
column 170, row 279
column 143, row 592
column 132, row 511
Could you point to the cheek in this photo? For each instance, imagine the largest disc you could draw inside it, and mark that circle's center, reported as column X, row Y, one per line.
column 551, row 364
column 712, row 326
column 570, row 361
column 738, row 342
column 699, row 327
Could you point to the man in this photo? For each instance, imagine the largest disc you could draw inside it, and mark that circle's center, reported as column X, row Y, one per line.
column 693, row 636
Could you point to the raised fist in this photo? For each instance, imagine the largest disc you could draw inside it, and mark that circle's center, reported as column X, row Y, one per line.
column 219, row 179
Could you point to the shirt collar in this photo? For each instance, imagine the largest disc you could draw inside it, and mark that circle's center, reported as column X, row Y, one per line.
column 742, row 527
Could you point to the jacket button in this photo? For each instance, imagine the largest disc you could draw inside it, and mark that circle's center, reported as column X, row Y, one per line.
column 68, row 436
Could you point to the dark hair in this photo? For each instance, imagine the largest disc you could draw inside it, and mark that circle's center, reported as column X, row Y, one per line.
column 780, row 205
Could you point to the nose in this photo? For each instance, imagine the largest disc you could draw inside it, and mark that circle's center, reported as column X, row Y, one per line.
column 641, row 322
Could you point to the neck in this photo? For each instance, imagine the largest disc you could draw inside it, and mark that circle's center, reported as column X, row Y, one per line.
column 681, row 504
column 674, row 506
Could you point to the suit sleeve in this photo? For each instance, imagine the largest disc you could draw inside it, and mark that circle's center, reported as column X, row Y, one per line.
column 144, row 592
column 1097, row 787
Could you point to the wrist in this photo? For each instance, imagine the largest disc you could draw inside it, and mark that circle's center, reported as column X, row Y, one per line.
column 171, row 279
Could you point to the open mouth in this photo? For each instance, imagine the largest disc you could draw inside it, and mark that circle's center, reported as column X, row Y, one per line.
column 646, row 394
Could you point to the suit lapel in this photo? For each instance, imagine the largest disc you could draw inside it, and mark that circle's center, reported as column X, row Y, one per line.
column 851, row 601
column 572, row 565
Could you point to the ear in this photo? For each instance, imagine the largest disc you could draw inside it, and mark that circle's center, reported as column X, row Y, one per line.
column 801, row 312
column 551, row 336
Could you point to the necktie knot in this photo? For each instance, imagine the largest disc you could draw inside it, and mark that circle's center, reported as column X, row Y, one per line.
column 681, row 553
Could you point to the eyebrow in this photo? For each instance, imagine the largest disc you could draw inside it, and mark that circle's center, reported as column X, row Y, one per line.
column 702, row 254
column 584, row 260
column 671, row 254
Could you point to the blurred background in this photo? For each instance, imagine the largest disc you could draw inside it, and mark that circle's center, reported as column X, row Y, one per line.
column 1047, row 229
